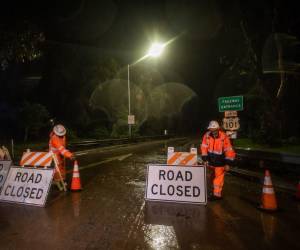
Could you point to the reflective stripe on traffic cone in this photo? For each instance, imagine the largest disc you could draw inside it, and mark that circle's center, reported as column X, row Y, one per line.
column 268, row 200
column 75, row 185
column 298, row 192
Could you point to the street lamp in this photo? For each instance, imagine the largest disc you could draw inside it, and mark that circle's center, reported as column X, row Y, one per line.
column 155, row 51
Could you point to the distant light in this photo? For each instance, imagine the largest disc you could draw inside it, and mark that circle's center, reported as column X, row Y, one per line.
column 156, row 49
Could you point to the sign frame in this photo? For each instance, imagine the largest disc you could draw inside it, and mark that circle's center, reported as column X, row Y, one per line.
column 5, row 168
column 236, row 102
column 176, row 201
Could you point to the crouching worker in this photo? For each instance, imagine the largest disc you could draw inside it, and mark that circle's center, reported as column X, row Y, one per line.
column 57, row 144
column 218, row 154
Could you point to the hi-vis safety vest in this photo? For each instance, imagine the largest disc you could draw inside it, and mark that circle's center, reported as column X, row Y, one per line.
column 218, row 151
column 57, row 145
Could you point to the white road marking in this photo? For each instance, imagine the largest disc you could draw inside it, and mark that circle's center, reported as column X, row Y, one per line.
column 119, row 158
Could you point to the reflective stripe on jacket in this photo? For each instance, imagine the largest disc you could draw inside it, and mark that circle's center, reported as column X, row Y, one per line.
column 57, row 145
column 218, row 151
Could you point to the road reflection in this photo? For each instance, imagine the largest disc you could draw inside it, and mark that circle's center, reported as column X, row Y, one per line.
column 269, row 225
column 76, row 200
column 173, row 225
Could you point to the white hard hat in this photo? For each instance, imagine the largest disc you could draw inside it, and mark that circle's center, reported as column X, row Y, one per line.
column 59, row 130
column 213, row 125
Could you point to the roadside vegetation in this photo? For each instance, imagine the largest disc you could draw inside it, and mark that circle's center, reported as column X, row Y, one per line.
column 286, row 147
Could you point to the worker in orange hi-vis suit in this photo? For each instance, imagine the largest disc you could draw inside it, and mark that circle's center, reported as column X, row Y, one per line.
column 218, row 154
column 57, row 145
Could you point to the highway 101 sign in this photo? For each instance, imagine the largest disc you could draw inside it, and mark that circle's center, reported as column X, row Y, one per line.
column 231, row 123
column 230, row 103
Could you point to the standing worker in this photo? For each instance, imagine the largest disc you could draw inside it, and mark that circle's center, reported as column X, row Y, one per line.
column 218, row 154
column 57, row 145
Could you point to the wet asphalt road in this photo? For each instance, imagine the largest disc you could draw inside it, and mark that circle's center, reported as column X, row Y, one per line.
column 111, row 213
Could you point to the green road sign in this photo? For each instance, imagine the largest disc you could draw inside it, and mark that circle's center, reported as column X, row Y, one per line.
column 230, row 103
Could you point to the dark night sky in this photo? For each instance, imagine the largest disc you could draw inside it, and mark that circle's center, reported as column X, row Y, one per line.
column 124, row 29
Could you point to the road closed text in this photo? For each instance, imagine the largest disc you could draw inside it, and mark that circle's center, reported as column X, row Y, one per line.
column 22, row 191
column 176, row 183
column 178, row 188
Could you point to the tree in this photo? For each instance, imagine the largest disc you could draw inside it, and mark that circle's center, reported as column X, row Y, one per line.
column 33, row 117
column 262, row 82
column 20, row 44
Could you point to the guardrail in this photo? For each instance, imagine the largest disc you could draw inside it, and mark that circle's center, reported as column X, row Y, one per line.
column 266, row 155
column 282, row 163
column 252, row 156
column 109, row 142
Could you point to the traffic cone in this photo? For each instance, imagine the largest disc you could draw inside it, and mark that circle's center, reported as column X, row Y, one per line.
column 268, row 199
column 75, row 185
column 298, row 192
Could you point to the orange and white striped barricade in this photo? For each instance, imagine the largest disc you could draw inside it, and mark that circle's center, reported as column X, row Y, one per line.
column 36, row 159
column 182, row 158
column 41, row 159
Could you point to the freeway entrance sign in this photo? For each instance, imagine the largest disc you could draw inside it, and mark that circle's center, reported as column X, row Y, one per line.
column 230, row 103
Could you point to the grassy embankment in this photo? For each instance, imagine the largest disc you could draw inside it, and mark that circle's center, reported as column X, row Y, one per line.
column 247, row 143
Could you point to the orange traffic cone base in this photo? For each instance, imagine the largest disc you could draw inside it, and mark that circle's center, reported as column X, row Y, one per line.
column 268, row 199
column 262, row 208
column 76, row 184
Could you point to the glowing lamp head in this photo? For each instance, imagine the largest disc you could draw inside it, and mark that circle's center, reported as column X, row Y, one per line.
column 156, row 49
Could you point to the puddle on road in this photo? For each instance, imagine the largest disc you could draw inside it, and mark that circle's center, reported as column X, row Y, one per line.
column 161, row 237
column 171, row 225
column 171, row 214
column 139, row 184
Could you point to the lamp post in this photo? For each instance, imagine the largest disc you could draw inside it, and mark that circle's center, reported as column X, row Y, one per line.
column 155, row 51
column 129, row 114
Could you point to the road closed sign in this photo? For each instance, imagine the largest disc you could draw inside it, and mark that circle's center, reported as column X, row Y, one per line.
column 4, row 168
column 183, row 184
column 27, row 185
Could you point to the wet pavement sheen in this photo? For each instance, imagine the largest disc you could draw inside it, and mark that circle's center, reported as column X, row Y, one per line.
column 111, row 213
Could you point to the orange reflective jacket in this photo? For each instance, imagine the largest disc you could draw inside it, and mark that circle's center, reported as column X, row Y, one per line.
column 217, row 151
column 57, row 145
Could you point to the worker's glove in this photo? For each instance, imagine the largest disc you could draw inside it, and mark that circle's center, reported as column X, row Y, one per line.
column 199, row 160
column 227, row 168
column 204, row 158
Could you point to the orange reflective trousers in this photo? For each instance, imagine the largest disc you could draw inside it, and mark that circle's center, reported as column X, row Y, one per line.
column 218, row 176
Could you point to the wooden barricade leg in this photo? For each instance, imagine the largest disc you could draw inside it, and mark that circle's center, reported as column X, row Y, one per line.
column 59, row 173
column 6, row 153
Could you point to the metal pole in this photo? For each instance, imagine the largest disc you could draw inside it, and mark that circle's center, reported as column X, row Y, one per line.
column 129, row 125
column 12, row 149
